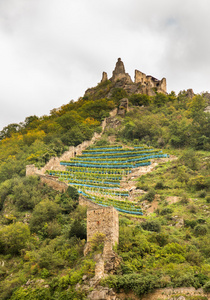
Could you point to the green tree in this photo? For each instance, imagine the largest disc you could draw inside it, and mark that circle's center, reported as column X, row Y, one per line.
column 13, row 238
column 160, row 99
column 43, row 212
column 139, row 99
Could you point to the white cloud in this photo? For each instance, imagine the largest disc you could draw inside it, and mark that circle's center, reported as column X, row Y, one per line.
column 52, row 51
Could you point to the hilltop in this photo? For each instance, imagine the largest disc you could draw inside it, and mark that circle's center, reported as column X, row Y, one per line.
column 163, row 205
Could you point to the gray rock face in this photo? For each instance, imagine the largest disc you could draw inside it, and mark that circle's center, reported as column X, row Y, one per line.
column 119, row 72
column 119, row 69
column 123, row 107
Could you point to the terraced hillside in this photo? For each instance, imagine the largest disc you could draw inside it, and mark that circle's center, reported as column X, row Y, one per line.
column 98, row 172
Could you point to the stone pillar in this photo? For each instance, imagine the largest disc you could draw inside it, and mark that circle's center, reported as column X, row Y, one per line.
column 104, row 77
column 119, row 72
column 163, row 85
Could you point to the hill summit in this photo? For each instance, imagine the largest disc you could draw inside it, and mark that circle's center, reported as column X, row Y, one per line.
column 143, row 84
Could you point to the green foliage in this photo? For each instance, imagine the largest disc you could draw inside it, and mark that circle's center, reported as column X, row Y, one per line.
column 78, row 229
column 31, row 294
column 190, row 159
column 43, row 212
column 190, row 223
column 149, row 196
column 13, row 238
column 97, row 109
column 159, row 185
column 72, row 193
column 206, row 287
column 140, row 284
column 160, row 99
column 139, row 99
column 7, row 131
column 200, row 230
column 118, row 94
column 200, row 182
column 151, row 226
column 166, row 211
column 97, row 242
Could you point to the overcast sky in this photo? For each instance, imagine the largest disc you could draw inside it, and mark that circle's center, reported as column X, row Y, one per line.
column 51, row 51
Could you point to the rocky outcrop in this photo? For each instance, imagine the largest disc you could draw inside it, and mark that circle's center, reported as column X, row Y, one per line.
column 123, row 107
column 104, row 77
column 190, row 93
column 102, row 293
column 119, row 73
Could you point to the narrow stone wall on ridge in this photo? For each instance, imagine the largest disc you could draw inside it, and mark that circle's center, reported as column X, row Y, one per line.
column 54, row 162
column 54, row 183
column 88, row 203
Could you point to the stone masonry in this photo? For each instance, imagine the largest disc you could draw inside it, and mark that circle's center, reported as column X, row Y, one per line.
column 104, row 220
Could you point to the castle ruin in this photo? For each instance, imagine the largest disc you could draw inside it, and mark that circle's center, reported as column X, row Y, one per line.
column 143, row 84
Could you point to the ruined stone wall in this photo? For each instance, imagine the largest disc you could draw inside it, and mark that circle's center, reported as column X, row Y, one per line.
column 88, row 203
column 53, row 183
column 104, row 220
column 31, row 170
column 140, row 77
column 150, row 81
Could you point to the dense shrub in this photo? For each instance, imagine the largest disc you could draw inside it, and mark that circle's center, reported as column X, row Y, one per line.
column 159, row 185
column 151, row 226
column 190, row 223
column 166, row 211
column 200, row 230
column 32, row 294
column 149, row 196
column 202, row 194
column 43, row 212
column 140, row 284
column 139, row 99
column 73, row 193
column 206, row 287
column 78, row 229
column 97, row 242
column 118, row 94
column 184, row 199
column 13, row 238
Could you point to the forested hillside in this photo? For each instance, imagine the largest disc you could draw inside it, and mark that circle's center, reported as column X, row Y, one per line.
column 43, row 232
